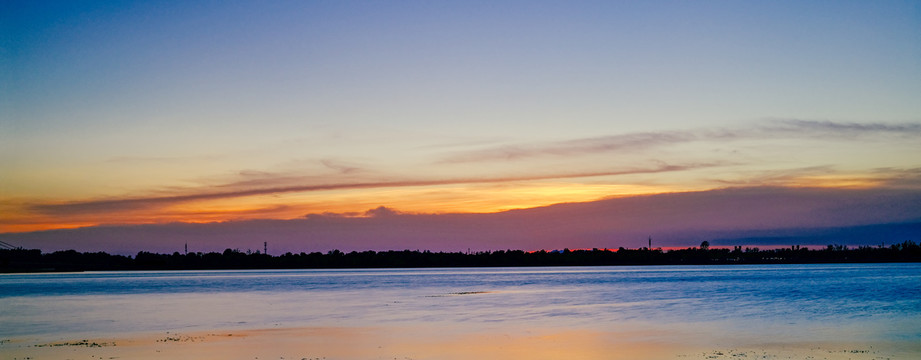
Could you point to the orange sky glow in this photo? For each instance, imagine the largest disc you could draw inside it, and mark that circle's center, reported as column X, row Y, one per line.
column 134, row 113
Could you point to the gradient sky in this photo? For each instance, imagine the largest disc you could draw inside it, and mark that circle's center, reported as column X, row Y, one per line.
column 139, row 112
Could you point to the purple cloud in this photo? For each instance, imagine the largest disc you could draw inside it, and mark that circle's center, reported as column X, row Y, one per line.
column 264, row 186
column 677, row 219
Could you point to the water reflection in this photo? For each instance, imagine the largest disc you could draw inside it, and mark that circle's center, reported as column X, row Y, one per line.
column 872, row 301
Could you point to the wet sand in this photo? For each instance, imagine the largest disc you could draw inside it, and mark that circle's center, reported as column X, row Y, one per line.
column 429, row 343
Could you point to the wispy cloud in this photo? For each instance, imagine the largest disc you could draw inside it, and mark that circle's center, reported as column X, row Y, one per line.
column 900, row 178
column 264, row 188
column 827, row 176
column 771, row 129
column 779, row 177
column 340, row 166
column 633, row 153
column 342, row 171
column 163, row 159
column 829, row 128
column 627, row 142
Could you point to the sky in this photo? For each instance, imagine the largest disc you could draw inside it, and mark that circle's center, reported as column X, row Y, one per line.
column 129, row 113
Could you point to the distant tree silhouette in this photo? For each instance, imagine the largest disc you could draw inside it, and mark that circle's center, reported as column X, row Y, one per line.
column 20, row 260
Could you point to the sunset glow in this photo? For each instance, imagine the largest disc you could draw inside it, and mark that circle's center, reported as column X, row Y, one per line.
column 135, row 113
column 460, row 179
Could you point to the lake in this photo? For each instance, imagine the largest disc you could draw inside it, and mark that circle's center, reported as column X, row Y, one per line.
column 719, row 304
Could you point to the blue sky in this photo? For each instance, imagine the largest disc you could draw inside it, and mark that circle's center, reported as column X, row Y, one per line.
column 217, row 111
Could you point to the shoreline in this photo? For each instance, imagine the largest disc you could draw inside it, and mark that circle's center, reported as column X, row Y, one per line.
column 34, row 261
column 426, row 342
column 70, row 271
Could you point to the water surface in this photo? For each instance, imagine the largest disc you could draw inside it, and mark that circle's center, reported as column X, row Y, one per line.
column 851, row 302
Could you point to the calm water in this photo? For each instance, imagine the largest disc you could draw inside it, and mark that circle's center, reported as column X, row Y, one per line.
column 810, row 302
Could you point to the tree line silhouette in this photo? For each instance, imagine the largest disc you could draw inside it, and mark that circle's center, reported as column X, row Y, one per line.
column 33, row 260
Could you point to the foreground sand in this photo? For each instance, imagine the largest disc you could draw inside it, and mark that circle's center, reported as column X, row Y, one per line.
column 427, row 343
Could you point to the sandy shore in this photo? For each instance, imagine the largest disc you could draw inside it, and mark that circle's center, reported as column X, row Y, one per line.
column 427, row 343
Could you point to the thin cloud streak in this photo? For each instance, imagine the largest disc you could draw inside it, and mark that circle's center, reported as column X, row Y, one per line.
column 163, row 159
column 123, row 204
column 626, row 142
column 776, row 177
column 780, row 128
column 828, row 176
column 900, row 178
column 839, row 128
column 340, row 167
